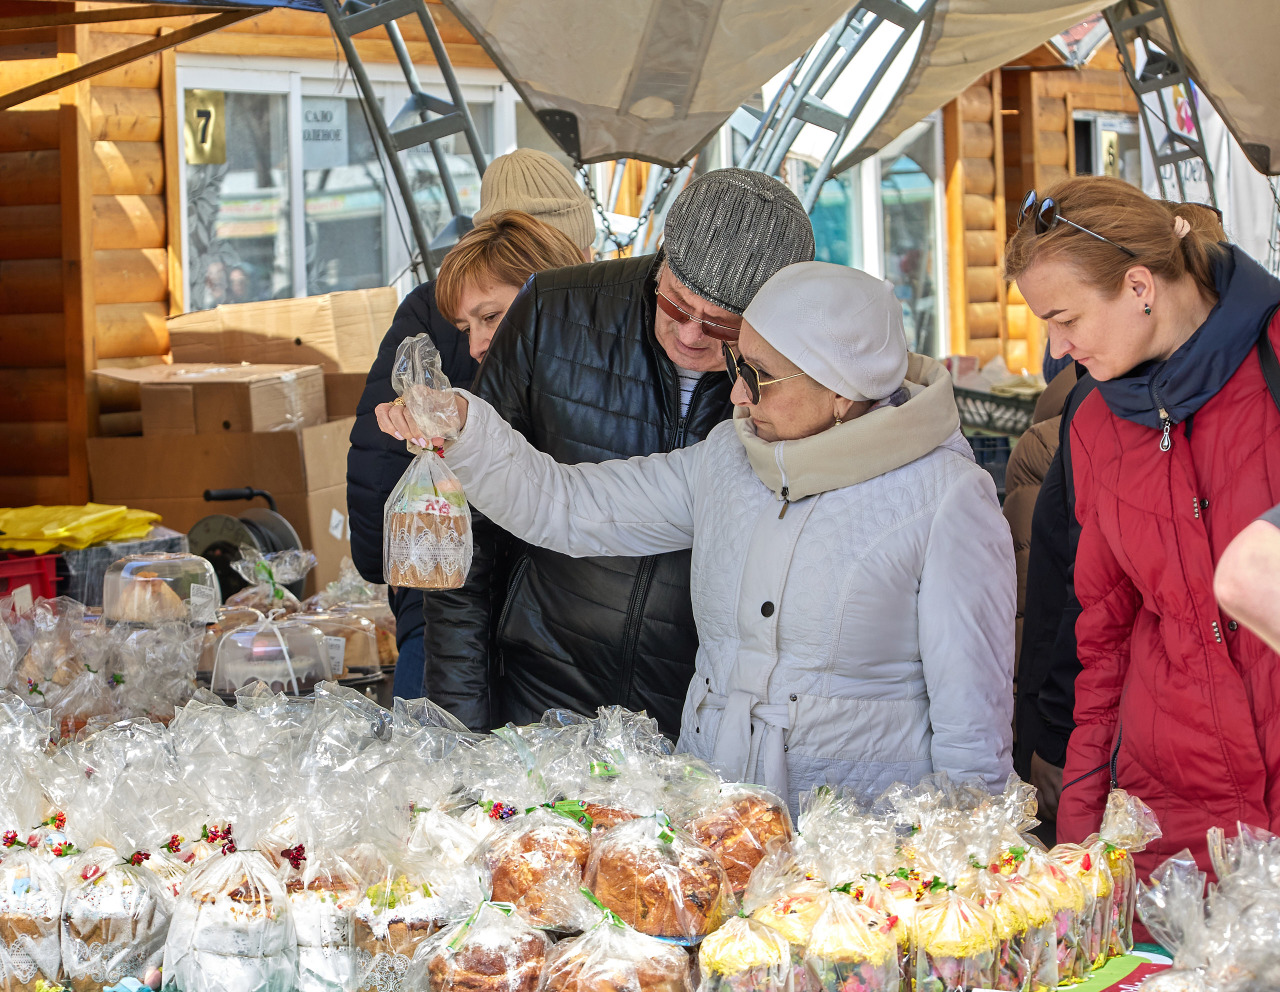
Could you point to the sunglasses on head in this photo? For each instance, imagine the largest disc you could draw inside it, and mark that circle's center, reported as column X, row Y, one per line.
column 750, row 374
column 711, row 328
column 1046, row 215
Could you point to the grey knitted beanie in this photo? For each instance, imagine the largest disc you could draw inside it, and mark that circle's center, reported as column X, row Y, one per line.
column 732, row 229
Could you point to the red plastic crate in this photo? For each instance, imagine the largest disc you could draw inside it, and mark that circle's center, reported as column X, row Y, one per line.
column 40, row 572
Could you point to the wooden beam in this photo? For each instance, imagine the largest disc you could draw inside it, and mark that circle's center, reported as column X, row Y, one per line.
column 125, row 113
column 134, row 12
column 131, row 275
column 953, row 159
column 29, row 177
column 77, row 285
column 28, row 130
column 289, row 46
column 33, row 394
column 132, row 330
column 40, row 448
column 30, row 231
column 129, row 222
column 171, row 150
column 32, row 340
column 123, row 57
column 128, row 167
column 997, row 102
column 31, row 285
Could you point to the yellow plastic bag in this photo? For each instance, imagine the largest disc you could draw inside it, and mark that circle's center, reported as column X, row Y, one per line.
column 46, row 528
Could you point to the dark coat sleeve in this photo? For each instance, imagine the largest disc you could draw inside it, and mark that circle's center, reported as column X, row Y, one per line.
column 376, row 461
column 462, row 623
column 1049, row 662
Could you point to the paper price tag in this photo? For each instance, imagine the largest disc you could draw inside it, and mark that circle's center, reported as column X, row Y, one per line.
column 203, row 603
column 337, row 520
column 22, row 601
column 337, row 652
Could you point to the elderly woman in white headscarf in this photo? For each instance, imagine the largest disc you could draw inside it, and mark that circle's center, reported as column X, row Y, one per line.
column 853, row 577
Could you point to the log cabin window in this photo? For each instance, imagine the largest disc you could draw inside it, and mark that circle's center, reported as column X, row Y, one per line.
column 284, row 193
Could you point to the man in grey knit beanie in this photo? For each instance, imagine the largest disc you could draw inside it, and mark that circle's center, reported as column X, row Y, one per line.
column 606, row 360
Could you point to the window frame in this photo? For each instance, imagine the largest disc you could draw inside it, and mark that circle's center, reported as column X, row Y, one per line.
column 298, row 78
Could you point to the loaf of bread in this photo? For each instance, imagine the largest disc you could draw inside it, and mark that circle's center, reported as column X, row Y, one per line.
column 426, row 550
column 489, row 953
column 536, row 862
column 659, row 880
column 740, row 831
column 609, row 958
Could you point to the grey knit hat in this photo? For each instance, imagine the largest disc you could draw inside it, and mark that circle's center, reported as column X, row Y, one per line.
column 729, row 231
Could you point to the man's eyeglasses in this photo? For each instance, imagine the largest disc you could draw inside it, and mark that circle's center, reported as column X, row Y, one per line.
column 1047, row 218
column 711, row 328
column 750, row 374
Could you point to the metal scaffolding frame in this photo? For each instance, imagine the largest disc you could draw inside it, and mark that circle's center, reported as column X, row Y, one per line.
column 452, row 115
column 1165, row 68
column 800, row 100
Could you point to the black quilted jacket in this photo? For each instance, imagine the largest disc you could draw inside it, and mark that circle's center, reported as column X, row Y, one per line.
column 576, row 369
column 376, row 461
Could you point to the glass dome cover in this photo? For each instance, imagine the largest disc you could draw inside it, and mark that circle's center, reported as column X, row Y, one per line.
column 290, row 656
column 161, row 588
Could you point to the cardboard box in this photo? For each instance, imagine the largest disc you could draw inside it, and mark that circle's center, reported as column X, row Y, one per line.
column 338, row 331
column 342, row 392
column 306, row 472
column 211, row 399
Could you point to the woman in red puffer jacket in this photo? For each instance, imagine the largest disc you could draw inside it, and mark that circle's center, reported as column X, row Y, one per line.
column 1176, row 451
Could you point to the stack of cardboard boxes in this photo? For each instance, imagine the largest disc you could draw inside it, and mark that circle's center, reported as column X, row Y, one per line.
column 280, row 424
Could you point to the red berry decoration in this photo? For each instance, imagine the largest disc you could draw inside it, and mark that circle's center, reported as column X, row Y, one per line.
column 295, row 856
column 139, row 857
column 10, row 838
column 59, row 821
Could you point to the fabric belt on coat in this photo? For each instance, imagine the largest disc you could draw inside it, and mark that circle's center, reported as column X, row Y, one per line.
column 750, row 738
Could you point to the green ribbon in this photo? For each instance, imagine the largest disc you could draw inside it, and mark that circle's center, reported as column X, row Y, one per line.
column 573, row 809
column 505, row 908
column 609, row 915
column 263, row 571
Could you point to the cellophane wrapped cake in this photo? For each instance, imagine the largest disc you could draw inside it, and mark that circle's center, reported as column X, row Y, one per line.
column 427, row 524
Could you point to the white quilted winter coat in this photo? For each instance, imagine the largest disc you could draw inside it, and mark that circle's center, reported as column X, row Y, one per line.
column 863, row 638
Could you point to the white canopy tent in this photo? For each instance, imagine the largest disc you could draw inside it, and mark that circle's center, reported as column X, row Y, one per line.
column 647, row 79
column 653, row 79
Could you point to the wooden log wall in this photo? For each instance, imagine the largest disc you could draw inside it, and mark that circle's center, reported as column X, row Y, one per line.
column 1039, row 150
column 46, row 305
column 90, row 246
column 975, row 219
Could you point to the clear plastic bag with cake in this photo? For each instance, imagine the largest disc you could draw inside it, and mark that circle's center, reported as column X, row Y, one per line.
column 160, row 588
column 117, row 909
column 1128, row 826
column 614, row 957
column 1066, row 897
column 852, row 947
column 288, row 655
column 741, row 829
column 745, row 956
column 232, row 928
column 786, row 894
column 1089, row 867
column 31, row 891
column 268, row 576
column 660, row 880
column 493, row 950
column 427, row 524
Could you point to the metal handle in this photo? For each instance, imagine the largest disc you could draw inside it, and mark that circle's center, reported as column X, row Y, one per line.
column 228, row 495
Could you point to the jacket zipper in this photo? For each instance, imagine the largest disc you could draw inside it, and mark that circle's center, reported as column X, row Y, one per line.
column 1166, row 422
column 785, row 494
column 1115, row 753
column 644, row 575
